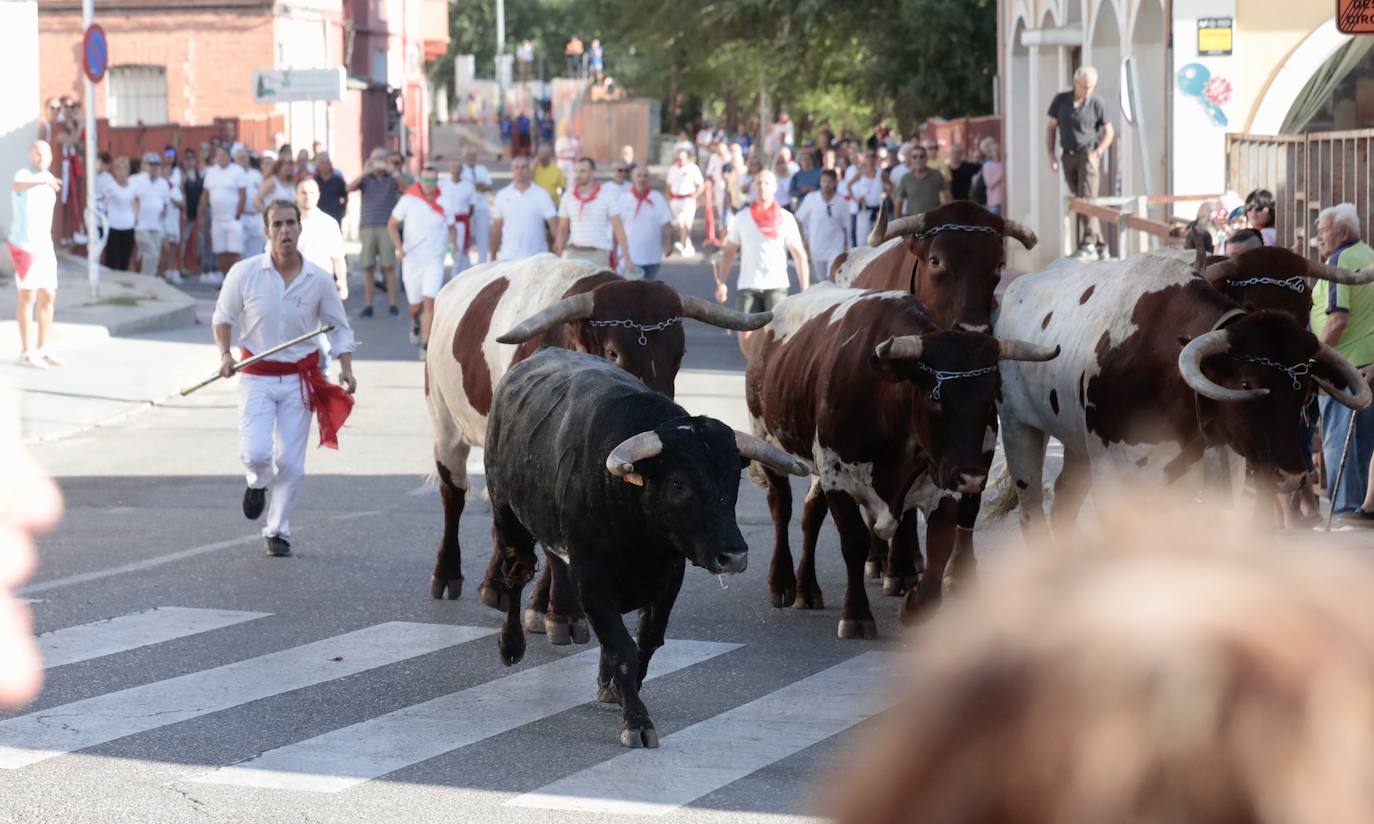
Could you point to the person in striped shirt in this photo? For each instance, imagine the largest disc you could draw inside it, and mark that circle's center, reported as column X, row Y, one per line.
column 589, row 226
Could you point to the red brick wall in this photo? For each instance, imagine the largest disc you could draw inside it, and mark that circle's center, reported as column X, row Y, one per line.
column 210, row 57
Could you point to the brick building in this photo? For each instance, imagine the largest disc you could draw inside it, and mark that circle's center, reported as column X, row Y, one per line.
column 190, row 63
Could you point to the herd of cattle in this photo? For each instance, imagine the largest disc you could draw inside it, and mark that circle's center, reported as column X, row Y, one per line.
column 885, row 388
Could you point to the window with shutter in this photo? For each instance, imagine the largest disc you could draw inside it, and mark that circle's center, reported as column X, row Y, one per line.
column 136, row 94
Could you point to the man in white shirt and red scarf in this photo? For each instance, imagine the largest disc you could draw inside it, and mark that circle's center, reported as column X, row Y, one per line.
column 272, row 298
column 589, row 226
column 685, row 186
column 762, row 236
column 645, row 216
column 429, row 232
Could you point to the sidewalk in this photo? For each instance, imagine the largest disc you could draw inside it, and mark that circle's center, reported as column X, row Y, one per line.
column 131, row 348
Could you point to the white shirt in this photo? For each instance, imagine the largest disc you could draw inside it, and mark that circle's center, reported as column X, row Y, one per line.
column 458, row 196
column 276, row 191
column 684, row 179
column 153, row 194
column 252, row 181
column 827, row 230
column 178, row 198
column 867, row 191
column 224, row 185
column 715, row 168
column 644, row 230
column 478, row 175
column 425, row 236
column 589, row 222
column 522, row 216
column 267, row 313
column 320, row 242
column 32, row 209
column 763, row 261
column 119, row 203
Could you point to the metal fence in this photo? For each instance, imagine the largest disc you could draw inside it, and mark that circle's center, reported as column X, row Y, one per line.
column 1306, row 173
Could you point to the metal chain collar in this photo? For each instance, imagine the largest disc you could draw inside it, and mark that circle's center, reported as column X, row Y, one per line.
column 941, row 376
column 643, row 329
column 957, row 227
column 1296, row 284
column 1295, row 372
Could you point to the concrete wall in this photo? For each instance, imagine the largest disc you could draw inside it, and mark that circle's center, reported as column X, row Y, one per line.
column 19, row 115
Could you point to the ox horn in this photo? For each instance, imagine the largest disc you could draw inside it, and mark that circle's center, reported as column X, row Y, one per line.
column 577, row 307
column 1190, row 366
column 1349, row 375
column 902, row 347
column 1335, row 274
column 1022, row 233
column 621, row 461
column 713, row 313
column 1021, row 350
column 757, row 449
column 1220, row 272
column 885, row 231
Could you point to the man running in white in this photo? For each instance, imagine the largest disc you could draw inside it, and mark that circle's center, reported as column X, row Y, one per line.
column 762, row 236
column 152, row 196
column 224, row 197
column 33, row 196
column 460, row 199
column 685, row 185
column 481, row 211
column 644, row 214
column 524, row 217
column 272, row 298
column 825, row 223
column 588, row 224
column 428, row 233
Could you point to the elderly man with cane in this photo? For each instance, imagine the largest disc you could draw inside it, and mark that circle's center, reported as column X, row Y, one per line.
column 274, row 298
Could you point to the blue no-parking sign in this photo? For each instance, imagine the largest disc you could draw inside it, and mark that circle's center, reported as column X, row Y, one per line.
column 95, row 53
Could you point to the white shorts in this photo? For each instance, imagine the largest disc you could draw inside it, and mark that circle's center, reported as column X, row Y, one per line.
column 421, row 278
column 226, row 237
column 42, row 272
column 684, row 210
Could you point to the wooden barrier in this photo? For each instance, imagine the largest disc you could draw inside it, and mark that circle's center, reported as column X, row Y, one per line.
column 1139, row 232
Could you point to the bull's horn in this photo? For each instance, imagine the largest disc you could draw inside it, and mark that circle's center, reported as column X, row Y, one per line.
column 902, row 347
column 577, row 307
column 1023, row 234
column 1220, row 272
column 909, row 225
column 1335, row 274
column 1021, row 350
column 1349, row 375
column 875, row 237
column 756, row 449
column 621, row 461
column 1190, row 366
column 713, row 313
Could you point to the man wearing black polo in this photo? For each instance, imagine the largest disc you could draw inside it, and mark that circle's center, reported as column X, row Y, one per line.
column 1084, row 135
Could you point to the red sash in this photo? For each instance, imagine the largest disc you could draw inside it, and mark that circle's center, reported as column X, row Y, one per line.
column 23, row 259
column 330, row 403
column 583, row 201
column 418, row 191
column 466, row 220
column 766, row 218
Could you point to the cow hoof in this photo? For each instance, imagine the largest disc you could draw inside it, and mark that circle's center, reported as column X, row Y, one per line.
column 581, row 633
column 511, row 645
column 809, row 600
column 780, row 598
column 534, row 620
column 559, row 633
column 873, row 569
column 497, row 599
column 892, row 586
column 608, row 694
column 856, row 628
column 636, row 737
column 437, row 586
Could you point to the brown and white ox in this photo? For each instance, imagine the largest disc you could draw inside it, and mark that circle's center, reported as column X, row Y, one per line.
column 1157, row 366
column 537, row 302
column 951, row 258
column 893, row 411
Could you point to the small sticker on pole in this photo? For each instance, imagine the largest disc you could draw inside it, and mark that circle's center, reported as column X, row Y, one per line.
column 95, row 53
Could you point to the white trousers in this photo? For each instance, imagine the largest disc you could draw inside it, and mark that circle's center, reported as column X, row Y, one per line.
column 274, row 427
column 481, row 235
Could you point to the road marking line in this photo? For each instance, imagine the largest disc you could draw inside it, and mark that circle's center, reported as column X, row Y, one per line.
column 33, row 600
column 704, row 757
column 38, row 736
column 352, row 755
column 126, row 632
column 348, row 516
column 136, row 566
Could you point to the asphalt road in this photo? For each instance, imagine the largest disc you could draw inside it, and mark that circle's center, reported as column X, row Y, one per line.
column 191, row 678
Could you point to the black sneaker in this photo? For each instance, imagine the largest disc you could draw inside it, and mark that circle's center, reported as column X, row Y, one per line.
column 394, row 312
column 366, row 313
column 415, row 330
column 254, row 500
column 278, row 547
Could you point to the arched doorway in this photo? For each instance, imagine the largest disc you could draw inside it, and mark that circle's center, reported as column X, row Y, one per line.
column 1305, row 61
column 1149, row 50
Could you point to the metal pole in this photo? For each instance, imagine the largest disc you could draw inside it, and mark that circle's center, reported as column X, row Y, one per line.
column 500, row 26
column 92, row 244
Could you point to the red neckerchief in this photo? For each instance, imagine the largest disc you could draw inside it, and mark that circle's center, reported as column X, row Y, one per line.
column 583, row 201
column 418, row 191
column 329, row 401
column 640, row 200
column 766, row 218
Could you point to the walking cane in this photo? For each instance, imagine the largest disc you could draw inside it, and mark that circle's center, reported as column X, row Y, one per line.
column 328, row 327
column 1340, row 470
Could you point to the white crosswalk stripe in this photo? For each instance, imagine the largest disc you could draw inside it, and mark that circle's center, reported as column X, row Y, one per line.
column 351, row 755
column 725, row 748
column 126, row 632
column 29, row 739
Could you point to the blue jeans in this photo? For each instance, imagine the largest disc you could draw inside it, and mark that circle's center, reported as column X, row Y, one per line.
column 650, row 270
column 1336, row 421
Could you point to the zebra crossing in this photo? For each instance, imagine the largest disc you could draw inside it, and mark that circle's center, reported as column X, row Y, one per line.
column 692, row 762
